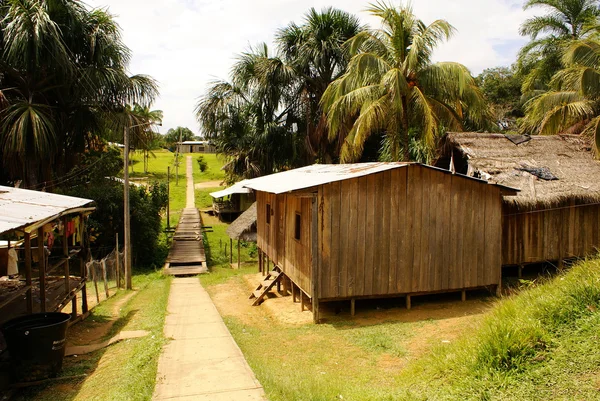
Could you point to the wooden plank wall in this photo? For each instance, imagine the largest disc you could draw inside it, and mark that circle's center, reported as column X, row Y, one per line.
column 408, row 230
column 277, row 239
column 538, row 236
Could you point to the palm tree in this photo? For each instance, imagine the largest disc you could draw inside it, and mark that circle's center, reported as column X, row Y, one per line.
column 315, row 52
column 573, row 103
column 63, row 78
column 566, row 20
column 391, row 86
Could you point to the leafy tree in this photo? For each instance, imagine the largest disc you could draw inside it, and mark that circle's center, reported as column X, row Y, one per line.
column 174, row 135
column 63, row 82
column 314, row 50
column 573, row 103
column 391, row 86
column 501, row 86
column 565, row 21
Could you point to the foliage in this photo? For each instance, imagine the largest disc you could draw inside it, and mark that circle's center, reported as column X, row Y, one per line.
column 391, row 86
column 178, row 134
column 502, row 88
column 63, row 82
column 202, row 164
column 268, row 118
column 573, row 103
column 566, row 20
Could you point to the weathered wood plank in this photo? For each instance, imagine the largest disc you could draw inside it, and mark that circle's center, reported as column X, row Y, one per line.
column 371, row 240
column 325, row 228
column 384, row 261
column 352, row 236
column 416, row 190
column 395, row 235
column 362, row 239
column 334, row 283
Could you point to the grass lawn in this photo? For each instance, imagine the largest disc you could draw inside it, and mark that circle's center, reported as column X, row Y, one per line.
column 123, row 371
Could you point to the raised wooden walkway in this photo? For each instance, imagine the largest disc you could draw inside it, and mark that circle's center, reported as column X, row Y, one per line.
column 186, row 256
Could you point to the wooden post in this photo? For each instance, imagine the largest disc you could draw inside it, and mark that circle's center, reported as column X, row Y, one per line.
column 117, row 276
column 408, row 305
column 314, row 257
column 260, row 260
column 95, row 281
column 520, row 271
column 231, row 249
column 239, row 262
column 352, row 306
column 302, row 301
column 293, row 292
column 105, row 278
column 84, row 257
column 66, row 256
column 168, row 204
column 42, row 268
column 28, row 272
column 463, row 295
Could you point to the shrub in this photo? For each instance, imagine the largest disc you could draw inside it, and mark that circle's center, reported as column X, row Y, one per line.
column 202, row 163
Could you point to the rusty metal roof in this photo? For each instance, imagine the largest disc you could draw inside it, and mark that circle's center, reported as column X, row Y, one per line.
column 23, row 207
column 320, row 174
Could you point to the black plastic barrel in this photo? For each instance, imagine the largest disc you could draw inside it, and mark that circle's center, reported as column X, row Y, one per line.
column 36, row 344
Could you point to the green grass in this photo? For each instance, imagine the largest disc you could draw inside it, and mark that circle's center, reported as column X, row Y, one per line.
column 213, row 172
column 123, row 371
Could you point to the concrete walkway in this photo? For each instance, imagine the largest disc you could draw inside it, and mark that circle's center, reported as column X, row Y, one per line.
column 201, row 361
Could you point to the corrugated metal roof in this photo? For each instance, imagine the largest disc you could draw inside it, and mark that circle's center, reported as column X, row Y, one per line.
column 23, row 207
column 237, row 188
column 319, row 174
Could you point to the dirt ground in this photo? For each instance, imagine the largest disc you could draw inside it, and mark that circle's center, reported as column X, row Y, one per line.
column 208, row 184
column 446, row 316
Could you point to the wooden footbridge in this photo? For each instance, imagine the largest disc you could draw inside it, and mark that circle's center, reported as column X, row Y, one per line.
column 186, row 256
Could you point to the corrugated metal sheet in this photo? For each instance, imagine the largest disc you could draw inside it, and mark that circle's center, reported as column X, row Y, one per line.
column 237, row 188
column 22, row 207
column 318, row 174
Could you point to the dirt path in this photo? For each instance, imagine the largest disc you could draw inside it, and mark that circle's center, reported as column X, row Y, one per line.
column 208, row 184
column 201, row 361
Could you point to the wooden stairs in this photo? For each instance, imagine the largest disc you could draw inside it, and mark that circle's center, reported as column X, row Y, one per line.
column 271, row 279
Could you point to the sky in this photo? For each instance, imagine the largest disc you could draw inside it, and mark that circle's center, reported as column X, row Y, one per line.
column 186, row 44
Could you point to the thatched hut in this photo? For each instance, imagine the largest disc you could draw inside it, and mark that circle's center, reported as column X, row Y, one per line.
column 556, row 215
column 242, row 229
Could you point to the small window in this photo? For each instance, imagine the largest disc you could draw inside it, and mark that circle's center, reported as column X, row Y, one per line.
column 268, row 213
column 297, row 227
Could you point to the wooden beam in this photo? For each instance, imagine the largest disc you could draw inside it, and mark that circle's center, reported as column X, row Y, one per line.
column 408, row 303
column 83, row 257
column 314, row 248
column 230, row 251
column 42, row 268
column 463, row 295
column 352, row 306
column 28, row 272
column 66, row 256
column 239, row 262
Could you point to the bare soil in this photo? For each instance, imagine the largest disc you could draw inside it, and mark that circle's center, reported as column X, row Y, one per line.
column 208, row 184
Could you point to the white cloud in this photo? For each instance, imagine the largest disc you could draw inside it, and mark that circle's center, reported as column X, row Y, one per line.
column 185, row 44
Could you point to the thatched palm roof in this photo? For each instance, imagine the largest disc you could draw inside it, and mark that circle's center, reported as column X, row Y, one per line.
column 497, row 159
column 244, row 227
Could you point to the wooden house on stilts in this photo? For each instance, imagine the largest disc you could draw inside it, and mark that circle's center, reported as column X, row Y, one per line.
column 375, row 230
column 556, row 214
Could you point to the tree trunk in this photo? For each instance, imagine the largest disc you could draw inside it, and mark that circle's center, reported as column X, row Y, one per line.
column 404, row 134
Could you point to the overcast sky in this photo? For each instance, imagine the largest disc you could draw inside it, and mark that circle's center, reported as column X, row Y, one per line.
column 184, row 44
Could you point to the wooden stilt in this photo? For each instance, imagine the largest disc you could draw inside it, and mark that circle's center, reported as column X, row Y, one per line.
column 42, row 268
column 301, row 301
column 499, row 289
column 83, row 258
column 74, row 307
column 66, row 256
column 463, row 295
column 239, row 262
column 408, row 305
column 231, row 251
column 520, row 271
column 352, row 306
column 293, row 292
column 260, row 261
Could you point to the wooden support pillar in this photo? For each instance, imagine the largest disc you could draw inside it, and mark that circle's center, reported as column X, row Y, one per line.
column 231, row 251
column 561, row 264
column 352, row 306
column 42, row 268
column 259, row 260
column 301, row 301
column 314, row 259
column 83, row 259
column 105, row 278
column 293, row 292
column 117, row 273
column 499, row 289
column 66, row 256
column 408, row 305
column 239, row 262
column 463, row 295
column 29, row 293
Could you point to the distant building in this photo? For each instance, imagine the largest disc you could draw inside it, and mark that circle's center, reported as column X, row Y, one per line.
column 195, row 147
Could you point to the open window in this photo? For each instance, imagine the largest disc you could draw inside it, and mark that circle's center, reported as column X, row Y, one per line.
column 268, row 213
column 298, row 227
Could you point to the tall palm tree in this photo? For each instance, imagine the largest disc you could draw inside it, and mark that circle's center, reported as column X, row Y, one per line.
column 315, row 52
column 392, row 86
column 573, row 103
column 565, row 21
column 63, row 78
